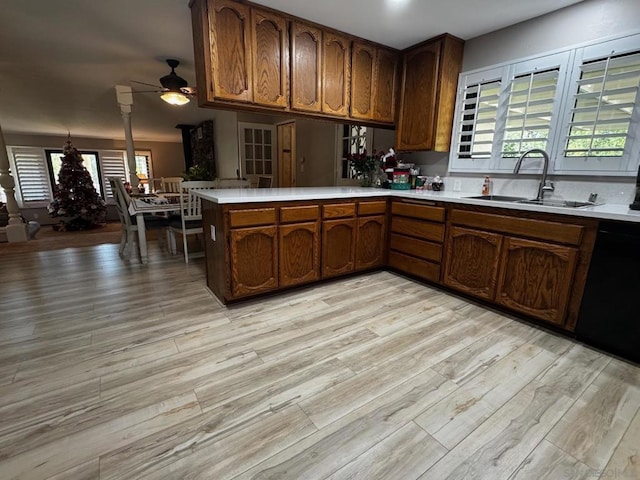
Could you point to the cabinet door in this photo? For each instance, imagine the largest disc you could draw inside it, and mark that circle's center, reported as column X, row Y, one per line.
column 416, row 122
column 472, row 261
column 299, row 253
column 336, row 72
column 536, row 277
column 370, row 242
column 338, row 247
column 254, row 260
column 386, row 74
column 231, row 50
column 362, row 81
column 306, row 57
column 270, row 44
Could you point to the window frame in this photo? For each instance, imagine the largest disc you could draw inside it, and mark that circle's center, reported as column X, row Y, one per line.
column 341, row 180
column 569, row 61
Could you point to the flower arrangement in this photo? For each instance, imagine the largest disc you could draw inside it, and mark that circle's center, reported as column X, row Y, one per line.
column 365, row 165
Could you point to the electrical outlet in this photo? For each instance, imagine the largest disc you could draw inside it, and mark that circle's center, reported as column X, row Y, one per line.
column 457, row 185
column 213, row 233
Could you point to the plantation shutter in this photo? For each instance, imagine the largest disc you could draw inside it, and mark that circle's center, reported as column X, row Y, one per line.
column 32, row 176
column 112, row 164
column 529, row 111
column 606, row 95
column 478, row 111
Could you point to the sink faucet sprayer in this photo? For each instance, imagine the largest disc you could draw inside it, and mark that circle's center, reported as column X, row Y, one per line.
column 543, row 187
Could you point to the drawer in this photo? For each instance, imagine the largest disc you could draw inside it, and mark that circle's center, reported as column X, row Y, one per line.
column 417, row 228
column 299, row 214
column 254, row 216
column 372, row 208
column 339, row 210
column 417, row 248
column 414, row 210
column 526, row 227
column 415, row 266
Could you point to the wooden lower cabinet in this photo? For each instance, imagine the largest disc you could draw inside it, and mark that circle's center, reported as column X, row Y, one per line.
column 472, row 261
column 299, row 253
column 535, row 278
column 338, row 246
column 370, row 242
column 254, row 264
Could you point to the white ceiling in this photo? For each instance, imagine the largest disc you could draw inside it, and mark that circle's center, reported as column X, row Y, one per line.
column 60, row 61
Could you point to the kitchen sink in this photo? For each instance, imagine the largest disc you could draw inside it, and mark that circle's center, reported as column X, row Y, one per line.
column 546, row 203
column 559, row 203
column 499, row 198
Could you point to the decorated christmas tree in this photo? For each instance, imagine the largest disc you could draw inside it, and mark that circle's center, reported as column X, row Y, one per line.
column 75, row 198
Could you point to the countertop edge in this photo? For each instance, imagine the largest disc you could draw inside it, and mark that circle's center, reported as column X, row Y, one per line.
column 238, row 196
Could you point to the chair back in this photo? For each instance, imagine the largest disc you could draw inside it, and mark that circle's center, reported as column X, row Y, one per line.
column 170, row 184
column 122, row 200
column 190, row 204
column 232, row 183
column 265, row 181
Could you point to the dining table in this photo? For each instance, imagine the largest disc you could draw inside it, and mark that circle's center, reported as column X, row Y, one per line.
column 157, row 204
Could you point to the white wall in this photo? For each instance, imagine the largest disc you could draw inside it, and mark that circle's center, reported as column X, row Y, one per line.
column 582, row 22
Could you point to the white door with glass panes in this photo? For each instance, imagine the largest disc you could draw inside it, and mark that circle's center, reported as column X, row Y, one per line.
column 351, row 139
column 257, row 143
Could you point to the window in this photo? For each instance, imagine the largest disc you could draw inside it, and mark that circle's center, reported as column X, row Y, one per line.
column 89, row 161
column 257, row 147
column 35, row 171
column 581, row 106
column 351, row 139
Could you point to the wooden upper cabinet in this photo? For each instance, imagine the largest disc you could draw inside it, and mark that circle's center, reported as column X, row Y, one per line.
column 428, row 93
column 306, row 60
column 270, row 44
column 231, row 55
column 362, row 76
column 385, row 86
column 336, row 74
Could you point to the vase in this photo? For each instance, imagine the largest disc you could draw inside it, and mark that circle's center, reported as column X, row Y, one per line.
column 365, row 179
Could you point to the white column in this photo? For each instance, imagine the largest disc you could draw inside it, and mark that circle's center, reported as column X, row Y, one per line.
column 125, row 100
column 16, row 230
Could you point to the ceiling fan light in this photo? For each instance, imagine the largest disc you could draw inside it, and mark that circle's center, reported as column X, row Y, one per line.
column 175, row 98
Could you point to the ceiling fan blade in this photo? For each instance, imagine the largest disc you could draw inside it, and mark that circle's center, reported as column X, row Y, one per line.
column 147, row 84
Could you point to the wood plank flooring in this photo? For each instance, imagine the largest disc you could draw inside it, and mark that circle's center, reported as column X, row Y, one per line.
column 114, row 370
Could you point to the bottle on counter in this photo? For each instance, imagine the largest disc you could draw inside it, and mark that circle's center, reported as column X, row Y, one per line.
column 486, row 186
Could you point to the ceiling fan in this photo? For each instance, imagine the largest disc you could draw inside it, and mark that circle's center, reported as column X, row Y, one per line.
column 175, row 90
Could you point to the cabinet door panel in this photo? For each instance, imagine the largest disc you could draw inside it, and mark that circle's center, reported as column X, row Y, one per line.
column 336, row 71
column 535, row 278
column 370, row 242
column 270, row 59
column 417, row 111
column 362, row 81
column 231, row 51
column 472, row 261
column 338, row 247
column 306, row 44
column 299, row 253
column 384, row 99
column 254, row 265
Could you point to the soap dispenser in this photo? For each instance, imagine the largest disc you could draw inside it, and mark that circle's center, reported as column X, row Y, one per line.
column 486, row 186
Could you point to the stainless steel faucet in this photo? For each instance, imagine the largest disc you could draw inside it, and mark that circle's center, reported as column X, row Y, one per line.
column 543, row 187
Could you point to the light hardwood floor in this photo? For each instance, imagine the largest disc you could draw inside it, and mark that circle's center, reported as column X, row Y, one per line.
column 110, row 370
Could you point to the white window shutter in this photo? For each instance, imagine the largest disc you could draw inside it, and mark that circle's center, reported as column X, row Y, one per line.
column 32, row 176
column 112, row 164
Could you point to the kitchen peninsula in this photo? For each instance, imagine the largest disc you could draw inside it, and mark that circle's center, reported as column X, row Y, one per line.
column 530, row 259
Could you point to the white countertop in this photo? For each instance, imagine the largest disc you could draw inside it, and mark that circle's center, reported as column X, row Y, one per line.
column 250, row 195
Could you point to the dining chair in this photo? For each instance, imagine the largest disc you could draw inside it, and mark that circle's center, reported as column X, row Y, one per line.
column 265, row 181
column 190, row 221
column 170, row 184
column 129, row 223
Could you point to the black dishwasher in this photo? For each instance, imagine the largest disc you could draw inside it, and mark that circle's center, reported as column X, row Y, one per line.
column 610, row 312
